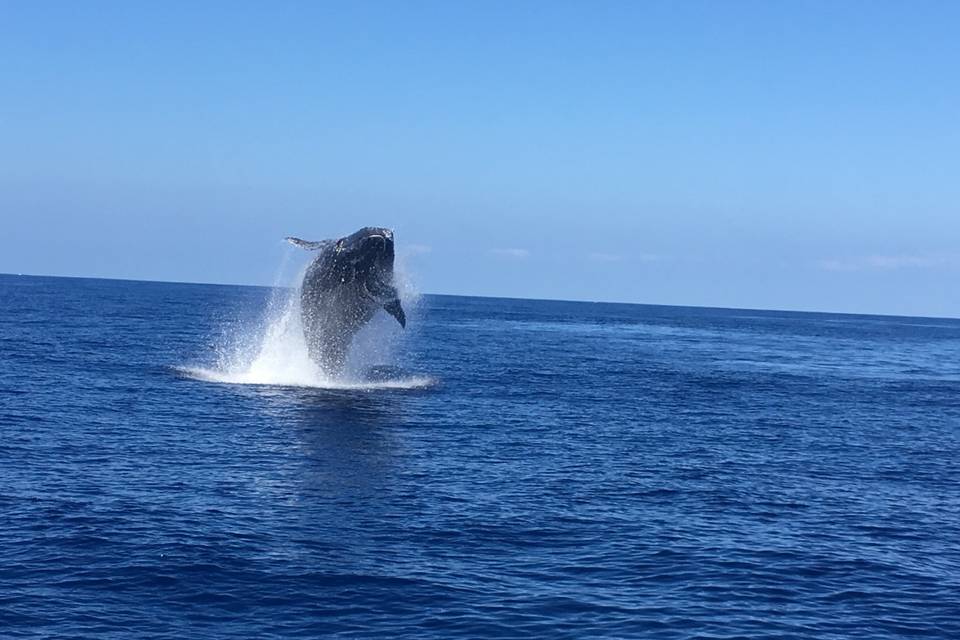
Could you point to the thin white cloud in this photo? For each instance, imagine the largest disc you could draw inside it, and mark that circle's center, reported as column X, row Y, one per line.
column 600, row 256
column 511, row 253
column 417, row 249
column 889, row 263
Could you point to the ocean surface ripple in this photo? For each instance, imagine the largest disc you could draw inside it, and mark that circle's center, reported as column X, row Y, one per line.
column 522, row 469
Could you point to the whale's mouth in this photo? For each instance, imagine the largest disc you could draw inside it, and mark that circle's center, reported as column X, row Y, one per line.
column 377, row 247
column 383, row 239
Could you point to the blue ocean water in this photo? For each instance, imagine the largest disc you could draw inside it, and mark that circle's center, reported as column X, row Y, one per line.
column 505, row 468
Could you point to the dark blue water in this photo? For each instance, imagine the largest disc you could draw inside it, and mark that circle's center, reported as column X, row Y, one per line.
column 569, row 470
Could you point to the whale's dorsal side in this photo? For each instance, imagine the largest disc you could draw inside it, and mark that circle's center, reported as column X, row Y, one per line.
column 309, row 245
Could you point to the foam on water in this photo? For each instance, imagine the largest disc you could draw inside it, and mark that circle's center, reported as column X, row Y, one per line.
column 275, row 352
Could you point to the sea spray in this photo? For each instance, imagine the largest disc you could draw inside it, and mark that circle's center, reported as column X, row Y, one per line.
column 273, row 350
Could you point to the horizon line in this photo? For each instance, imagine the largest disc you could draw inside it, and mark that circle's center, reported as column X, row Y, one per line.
column 491, row 297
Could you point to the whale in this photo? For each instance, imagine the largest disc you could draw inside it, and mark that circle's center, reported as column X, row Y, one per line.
column 345, row 284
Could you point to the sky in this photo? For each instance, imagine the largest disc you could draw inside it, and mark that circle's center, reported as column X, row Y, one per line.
column 778, row 155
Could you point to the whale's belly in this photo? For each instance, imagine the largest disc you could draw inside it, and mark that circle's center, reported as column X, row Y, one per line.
column 330, row 318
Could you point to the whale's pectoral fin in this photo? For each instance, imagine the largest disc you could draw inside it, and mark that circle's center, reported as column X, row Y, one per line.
column 393, row 308
column 309, row 245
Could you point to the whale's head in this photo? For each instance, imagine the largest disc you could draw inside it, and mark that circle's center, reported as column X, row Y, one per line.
column 370, row 250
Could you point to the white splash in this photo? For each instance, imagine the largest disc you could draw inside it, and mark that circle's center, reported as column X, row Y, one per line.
column 275, row 353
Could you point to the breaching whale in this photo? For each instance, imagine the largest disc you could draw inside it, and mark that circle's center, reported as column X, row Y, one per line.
column 341, row 290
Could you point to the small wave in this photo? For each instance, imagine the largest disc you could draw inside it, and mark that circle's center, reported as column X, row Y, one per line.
column 317, row 382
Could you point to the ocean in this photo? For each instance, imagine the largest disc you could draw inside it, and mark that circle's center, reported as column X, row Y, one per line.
column 173, row 467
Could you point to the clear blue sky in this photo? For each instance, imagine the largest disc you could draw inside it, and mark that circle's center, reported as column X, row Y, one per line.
column 793, row 155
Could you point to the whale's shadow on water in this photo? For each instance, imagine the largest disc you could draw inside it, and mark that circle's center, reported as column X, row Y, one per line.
column 317, row 408
column 324, row 408
column 348, row 439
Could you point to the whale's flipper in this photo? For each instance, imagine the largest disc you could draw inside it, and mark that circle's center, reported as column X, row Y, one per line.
column 309, row 245
column 393, row 308
column 385, row 291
